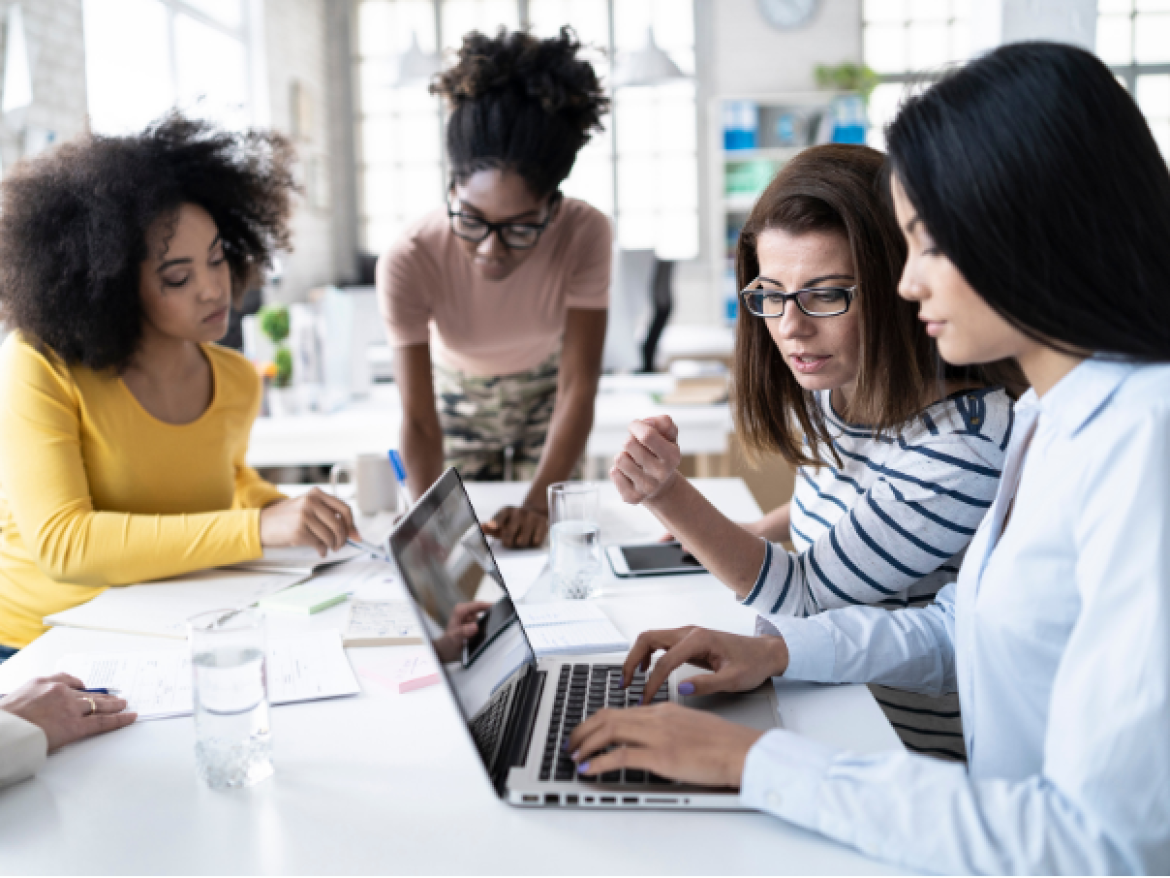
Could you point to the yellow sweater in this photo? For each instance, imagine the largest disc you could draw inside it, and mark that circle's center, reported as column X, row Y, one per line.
column 95, row 492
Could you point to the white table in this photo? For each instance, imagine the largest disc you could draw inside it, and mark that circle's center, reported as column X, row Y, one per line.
column 374, row 425
column 390, row 783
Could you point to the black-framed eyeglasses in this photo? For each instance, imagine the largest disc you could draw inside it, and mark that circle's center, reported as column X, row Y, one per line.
column 514, row 236
column 815, row 301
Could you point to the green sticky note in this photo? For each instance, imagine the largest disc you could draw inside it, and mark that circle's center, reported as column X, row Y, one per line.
column 312, row 597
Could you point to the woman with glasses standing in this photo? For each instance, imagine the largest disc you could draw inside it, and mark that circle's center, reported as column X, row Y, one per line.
column 897, row 457
column 508, row 285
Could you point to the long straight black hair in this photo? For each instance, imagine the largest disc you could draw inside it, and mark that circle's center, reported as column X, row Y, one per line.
column 1038, row 177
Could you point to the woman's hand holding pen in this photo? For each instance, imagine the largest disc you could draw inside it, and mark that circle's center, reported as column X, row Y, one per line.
column 62, row 709
column 314, row 519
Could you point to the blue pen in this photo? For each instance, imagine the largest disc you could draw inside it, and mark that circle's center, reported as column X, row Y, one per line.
column 108, row 691
column 400, row 476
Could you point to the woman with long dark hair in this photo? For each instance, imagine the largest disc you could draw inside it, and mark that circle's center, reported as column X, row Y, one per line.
column 507, row 286
column 897, row 455
column 1036, row 207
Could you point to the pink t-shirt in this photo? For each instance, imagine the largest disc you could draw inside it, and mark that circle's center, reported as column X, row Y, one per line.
column 428, row 290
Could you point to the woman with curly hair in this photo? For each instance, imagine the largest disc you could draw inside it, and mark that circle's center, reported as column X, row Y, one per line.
column 124, row 427
column 509, row 284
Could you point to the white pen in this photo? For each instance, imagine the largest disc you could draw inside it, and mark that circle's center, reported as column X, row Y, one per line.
column 369, row 547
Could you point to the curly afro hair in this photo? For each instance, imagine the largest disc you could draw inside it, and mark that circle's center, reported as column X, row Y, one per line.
column 73, row 227
column 522, row 104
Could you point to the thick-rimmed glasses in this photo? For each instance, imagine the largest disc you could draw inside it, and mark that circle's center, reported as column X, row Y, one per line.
column 815, row 301
column 514, row 236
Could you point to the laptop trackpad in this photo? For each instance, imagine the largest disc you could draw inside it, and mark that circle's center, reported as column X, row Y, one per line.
column 755, row 709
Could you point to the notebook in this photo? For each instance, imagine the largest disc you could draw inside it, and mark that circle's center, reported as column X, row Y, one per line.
column 382, row 623
column 570, row 628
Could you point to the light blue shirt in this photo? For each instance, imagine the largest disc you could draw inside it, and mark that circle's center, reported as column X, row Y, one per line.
column 1057, row 638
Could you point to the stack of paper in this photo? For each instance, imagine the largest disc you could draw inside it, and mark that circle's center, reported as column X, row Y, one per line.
column 158, row 684
column 569, row 628
column 382, row 623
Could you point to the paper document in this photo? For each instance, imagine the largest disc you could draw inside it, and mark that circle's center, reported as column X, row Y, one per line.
column 163, row 608
column 158, row 684
column 570, row 628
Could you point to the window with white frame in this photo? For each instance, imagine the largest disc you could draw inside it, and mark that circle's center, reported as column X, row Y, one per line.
column 1133, row 38
column 905, row 40
column 642, row 170
column 144, row 57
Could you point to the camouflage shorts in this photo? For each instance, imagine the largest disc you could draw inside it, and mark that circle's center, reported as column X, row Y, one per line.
column 483, row 416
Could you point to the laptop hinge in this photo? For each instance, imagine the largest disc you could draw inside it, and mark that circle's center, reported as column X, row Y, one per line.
column 521, row 721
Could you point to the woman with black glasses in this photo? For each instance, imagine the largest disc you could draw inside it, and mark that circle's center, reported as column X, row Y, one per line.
column 897, row 457
column 508, row 285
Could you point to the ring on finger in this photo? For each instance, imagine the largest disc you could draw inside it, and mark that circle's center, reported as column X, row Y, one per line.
column 92, row 705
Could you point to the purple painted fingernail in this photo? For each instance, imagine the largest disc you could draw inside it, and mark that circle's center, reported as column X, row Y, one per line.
column 686, row 688
column 622, row 682
column 576, row 756
column 583, row 768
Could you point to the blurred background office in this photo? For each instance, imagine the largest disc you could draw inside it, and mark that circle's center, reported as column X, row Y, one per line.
column 710, row 97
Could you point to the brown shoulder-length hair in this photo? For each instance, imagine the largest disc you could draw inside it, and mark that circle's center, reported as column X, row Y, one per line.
column 836, row 188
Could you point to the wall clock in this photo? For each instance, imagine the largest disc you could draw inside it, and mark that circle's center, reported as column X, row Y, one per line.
column 788, row 14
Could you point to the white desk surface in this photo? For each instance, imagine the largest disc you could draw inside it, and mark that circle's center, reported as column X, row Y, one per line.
column 389, row 783
column 373, row 425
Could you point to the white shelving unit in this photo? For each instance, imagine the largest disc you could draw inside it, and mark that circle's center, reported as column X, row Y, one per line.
column 729, row 210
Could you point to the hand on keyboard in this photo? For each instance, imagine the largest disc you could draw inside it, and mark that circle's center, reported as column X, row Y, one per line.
column 668, row 740
column 738, row 663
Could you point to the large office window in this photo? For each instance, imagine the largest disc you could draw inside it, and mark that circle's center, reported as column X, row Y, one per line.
column 642, row 170
column 905, row 40
column 143, row 57
column 1133, row 37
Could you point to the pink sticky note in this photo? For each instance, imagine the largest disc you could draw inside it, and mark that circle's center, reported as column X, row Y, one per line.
column 419, row 682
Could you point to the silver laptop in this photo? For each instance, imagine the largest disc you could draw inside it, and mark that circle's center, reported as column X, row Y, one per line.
column 519, row 709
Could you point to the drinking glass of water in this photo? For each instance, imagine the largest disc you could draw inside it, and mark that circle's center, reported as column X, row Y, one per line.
column 233, row 741
column 575, row 539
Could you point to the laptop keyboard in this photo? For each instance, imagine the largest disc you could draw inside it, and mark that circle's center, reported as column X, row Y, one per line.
column 582, row 690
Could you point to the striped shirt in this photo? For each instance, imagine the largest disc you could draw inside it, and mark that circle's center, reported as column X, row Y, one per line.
column 889, row 527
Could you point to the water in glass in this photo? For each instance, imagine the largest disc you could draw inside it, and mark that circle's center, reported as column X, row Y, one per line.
column 576, row 558
column 233, row 739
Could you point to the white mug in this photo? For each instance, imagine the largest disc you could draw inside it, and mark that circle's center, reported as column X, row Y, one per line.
column 375, row 488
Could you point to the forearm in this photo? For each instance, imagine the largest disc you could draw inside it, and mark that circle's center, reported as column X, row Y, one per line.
column 880, row 803
column 733, row 555
column 907, row 649
column 114, row 548
column 568, row 433
column 422, row 451
column 775, row 527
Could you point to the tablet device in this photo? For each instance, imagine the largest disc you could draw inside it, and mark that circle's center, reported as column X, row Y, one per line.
column 652, row 559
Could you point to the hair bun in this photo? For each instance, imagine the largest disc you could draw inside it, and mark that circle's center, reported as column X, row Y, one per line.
column 515, row 64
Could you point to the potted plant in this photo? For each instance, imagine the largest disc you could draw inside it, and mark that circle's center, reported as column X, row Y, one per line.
column 274, row 323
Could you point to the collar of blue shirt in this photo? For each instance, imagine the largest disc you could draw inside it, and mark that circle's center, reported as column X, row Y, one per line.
column 1080, row 394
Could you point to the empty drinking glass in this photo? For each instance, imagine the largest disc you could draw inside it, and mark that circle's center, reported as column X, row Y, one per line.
column 574, row 539
column 233, row 741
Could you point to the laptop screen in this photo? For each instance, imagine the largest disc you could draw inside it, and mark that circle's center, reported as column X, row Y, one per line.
column 445, row 561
